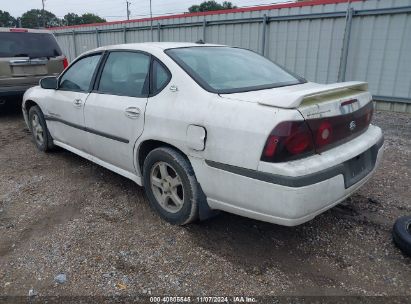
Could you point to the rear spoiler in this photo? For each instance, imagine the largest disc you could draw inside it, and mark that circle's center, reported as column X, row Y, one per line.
column 292, row 99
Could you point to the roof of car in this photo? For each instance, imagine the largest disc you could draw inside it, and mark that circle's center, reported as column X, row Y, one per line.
column 157, row 45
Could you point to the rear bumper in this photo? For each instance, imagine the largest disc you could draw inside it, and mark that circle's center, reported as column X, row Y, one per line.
column 12, row 93
column 309, row 179
column 289, row 199
column 16, row 86
column 15, row 91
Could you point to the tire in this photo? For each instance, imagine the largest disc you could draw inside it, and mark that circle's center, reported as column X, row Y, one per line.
column 401, row 234
column 39, row 131
column 176, row 204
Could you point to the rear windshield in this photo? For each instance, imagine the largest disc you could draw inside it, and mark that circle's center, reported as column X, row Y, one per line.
column 33, row 45
column 231, row 70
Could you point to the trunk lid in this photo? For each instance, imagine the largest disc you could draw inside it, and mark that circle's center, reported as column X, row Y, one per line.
column 294, row 96
column 333, row 113
column 337, row 114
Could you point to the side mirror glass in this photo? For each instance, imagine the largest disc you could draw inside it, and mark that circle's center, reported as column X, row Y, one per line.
column 49, row 83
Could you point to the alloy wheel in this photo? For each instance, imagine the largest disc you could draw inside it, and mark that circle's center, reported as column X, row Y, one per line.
column 37, row 129
column 167, row 187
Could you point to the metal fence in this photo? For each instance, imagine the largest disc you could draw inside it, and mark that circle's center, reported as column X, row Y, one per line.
column 325, row 40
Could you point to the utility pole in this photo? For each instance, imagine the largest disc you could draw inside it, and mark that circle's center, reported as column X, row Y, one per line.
column 42, row 14
column 151, row 23
column 128, row 9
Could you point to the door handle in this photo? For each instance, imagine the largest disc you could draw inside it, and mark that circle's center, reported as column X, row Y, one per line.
column 132, row 112
column 78, row 102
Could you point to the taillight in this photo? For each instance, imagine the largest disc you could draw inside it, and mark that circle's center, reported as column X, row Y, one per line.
column 287, row 141
column 324, row 133
column 18, row 30
column 331, row 131
column 292, row 140
column 369, row 113
column 65, row 62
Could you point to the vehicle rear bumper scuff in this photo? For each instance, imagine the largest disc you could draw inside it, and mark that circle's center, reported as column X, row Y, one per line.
column 305, row 180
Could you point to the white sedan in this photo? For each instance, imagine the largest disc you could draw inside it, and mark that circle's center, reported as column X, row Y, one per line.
column 208, row 127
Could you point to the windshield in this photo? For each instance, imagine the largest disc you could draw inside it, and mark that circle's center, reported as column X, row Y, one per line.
column 231, row 70
column 33, row 45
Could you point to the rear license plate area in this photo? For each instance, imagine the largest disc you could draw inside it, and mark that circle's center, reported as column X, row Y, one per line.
column 29, row 70
column 357, row 168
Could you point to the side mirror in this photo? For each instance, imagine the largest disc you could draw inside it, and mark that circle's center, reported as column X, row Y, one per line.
column 49, row 83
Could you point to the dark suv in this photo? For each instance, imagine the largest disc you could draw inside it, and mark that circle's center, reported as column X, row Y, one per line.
column 26, row 56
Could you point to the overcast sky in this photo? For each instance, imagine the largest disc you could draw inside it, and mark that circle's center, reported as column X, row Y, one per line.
column 113, row 9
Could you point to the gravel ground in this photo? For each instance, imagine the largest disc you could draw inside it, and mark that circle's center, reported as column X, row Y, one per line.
column 69, row 227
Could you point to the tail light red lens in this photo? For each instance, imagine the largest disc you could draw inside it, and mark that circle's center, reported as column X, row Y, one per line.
column 292, row 140
column 298, row 143
column 369, row 112
column 332, row 131
column 65, row 62
column 270, row 146
column 19, row 30
column 288, row 140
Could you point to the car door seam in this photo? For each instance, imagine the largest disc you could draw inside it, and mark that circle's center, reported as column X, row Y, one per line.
column 89, row 130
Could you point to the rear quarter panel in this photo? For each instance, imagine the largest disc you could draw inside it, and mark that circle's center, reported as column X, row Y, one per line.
column 237, row 130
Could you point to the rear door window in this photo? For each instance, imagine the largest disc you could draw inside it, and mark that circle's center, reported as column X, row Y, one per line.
column 125, row 74
column 33, row 45
column 161, row 77
column 78, row 76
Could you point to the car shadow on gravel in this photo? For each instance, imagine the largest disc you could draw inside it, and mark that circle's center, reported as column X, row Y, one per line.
column 254, row 245
column 327, row 250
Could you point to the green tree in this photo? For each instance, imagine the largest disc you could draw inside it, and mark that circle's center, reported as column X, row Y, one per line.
column 210, row 6
column 34, row 19
column 89, row 18
column 72, row 19
column 6, row 20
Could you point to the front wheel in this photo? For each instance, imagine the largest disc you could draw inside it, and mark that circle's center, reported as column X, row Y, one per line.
column 171, row 186
column 39, row 131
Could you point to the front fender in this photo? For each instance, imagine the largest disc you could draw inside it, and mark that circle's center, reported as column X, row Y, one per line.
column 29, row 95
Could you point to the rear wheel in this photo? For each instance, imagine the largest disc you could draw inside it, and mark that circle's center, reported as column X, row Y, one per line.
column 171, row 186
column 39, row 131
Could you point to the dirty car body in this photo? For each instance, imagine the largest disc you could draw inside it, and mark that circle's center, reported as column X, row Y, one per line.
column 262, row 142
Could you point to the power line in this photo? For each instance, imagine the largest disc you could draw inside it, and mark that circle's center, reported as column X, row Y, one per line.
column 141, row 7
column 100, row 7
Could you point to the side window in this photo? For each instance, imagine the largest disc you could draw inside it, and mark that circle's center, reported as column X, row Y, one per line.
column 78, row 76
column 125, row 73
column 161, row 77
